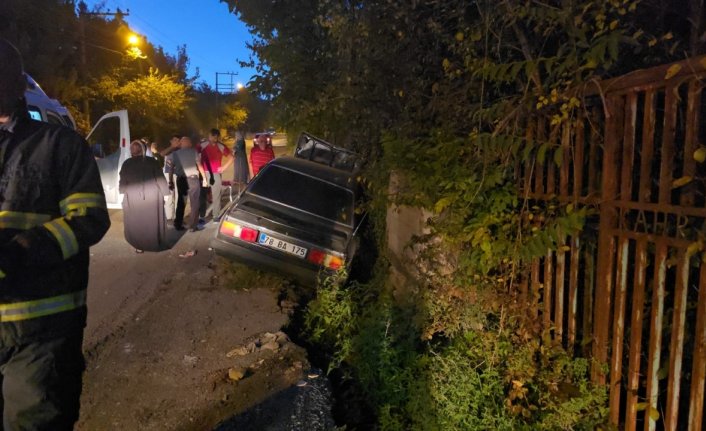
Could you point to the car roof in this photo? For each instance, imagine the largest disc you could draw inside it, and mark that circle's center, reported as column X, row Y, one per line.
column 335, row 176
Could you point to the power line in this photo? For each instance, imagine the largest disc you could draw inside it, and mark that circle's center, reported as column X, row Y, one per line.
column 193, row 55
column 229, row 86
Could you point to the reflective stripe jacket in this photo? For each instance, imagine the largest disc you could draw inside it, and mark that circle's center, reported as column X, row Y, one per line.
column 52, row 204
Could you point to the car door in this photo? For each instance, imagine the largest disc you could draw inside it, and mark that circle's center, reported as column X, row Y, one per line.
column 110, row 142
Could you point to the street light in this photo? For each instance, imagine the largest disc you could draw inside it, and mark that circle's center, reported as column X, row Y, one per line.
column 133, row 39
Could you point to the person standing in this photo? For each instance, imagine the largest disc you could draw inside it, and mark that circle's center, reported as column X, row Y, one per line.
column 187, row 164
column 177, row 177
column 261, row 154
column 52, row 209
column 215, row 158
column 169, row 202
column 144, row 186
column 241, row 171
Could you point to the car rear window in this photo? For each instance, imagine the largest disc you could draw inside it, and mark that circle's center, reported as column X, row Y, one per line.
column 306, row 193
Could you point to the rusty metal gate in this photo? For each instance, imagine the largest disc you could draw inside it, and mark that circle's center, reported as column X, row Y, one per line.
column 630, row 291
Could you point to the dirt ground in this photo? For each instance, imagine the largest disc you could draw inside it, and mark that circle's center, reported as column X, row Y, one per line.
column 180, row 343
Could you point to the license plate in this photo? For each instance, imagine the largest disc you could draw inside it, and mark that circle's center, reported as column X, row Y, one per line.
column 278, row 244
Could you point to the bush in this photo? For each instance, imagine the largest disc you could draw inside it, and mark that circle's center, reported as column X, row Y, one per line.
column 497, row 376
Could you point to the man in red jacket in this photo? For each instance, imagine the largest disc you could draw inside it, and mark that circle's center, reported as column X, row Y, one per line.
column 260, row 154
column 52, row 209
column 215, row 159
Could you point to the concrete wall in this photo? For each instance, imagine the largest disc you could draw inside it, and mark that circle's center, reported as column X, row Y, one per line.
column 403, row 224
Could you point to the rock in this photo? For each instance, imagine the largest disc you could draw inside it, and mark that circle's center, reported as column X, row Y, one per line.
column 272, row 345
column 190, row 360
column 287, row 305
column 282, row 337
column 268, row 337
column 238, row 351
column 236, row 373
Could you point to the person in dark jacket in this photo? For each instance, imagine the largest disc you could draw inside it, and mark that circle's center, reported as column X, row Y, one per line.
column 241, row 170
column 144, row 186
column 52, row 209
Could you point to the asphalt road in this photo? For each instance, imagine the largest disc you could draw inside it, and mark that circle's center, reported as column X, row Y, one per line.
column 160, row 327
column 158, row 342
column 121, row 281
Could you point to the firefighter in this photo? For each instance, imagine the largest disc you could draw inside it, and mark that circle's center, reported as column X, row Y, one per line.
column 52, row 208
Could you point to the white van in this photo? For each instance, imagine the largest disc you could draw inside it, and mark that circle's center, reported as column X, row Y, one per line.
column 41, row 107
column 109, row 139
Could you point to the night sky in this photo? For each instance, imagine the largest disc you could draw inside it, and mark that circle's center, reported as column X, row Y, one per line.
column 215, row 39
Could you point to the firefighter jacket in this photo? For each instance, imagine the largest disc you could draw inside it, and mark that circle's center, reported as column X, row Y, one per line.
column 52, row 208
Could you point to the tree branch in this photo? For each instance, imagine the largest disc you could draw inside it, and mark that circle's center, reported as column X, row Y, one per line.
column 526, row 51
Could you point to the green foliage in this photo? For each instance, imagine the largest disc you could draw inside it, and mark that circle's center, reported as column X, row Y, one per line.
column 444, row 94
column 331, row 317
column 234, row 115
column 465, row 391
column 154, row 101
column 495, row 376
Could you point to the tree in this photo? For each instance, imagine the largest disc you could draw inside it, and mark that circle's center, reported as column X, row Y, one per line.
column 155, row 102
column 440, row 92
column 234, row 115
column 48, row 34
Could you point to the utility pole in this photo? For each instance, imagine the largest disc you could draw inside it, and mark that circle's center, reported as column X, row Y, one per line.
column 82, row 13
column 226, row 86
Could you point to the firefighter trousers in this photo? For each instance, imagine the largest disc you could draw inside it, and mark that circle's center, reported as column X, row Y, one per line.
column 41, row 384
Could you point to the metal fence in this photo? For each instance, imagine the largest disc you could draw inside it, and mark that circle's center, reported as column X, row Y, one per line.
column 630, row 290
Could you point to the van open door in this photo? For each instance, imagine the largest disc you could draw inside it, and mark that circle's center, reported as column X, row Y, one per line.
column 110, row 142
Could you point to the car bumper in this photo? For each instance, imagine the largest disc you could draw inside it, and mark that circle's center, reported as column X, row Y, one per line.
column 260, row 258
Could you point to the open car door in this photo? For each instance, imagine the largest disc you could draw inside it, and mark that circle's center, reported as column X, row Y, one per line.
column 110, row 142
column 317, row 150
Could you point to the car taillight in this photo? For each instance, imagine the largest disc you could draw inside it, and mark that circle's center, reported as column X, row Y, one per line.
column 237, row 231
column 316, row 256
column 322, row 258
column 228, row 228
column 248, row 234
column 333, row 262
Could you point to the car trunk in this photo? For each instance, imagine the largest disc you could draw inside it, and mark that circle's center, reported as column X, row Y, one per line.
column 292, row 223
